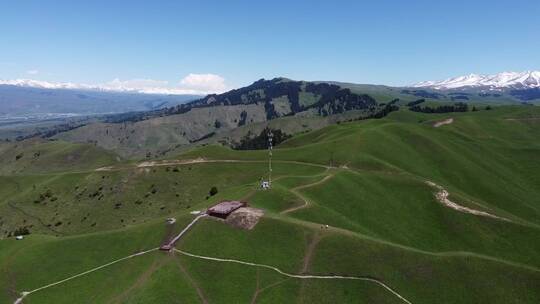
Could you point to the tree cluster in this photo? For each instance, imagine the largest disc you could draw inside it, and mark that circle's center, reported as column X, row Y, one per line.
column 260, row 141
column 457, row 107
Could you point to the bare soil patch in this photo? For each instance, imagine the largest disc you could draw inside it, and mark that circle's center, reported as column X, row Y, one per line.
column 108, row 168
column 524, row 118
column 245, row 217
column 171, row 162
column 442, row 197
column 443, row 122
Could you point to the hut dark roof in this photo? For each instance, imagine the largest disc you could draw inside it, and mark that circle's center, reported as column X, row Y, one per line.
column 226, row 207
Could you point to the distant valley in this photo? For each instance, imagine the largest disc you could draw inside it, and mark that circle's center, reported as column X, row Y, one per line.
column 21, row 102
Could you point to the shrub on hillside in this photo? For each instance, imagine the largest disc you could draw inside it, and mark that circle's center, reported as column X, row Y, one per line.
column 260, row 142
column 21, row 231
column 213, row 191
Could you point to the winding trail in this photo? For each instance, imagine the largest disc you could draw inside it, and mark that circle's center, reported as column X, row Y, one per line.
column 143, row 278
column 443, row 122
column 200, row 160
column 442, row 197
column 301, row 196
column 171, row 243
column 191, row 281
column 298, row 276
column 259, row 289
column 312, row 244
column 27, row 293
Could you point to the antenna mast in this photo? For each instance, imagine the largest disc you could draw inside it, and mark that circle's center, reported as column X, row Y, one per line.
column 270, row 140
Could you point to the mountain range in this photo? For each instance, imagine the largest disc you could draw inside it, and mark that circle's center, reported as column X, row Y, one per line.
column 505, row 80
column 138, row 125
column 288, row 105
column 23, row 98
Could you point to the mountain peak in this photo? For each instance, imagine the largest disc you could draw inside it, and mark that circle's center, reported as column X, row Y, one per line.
column 514, row 80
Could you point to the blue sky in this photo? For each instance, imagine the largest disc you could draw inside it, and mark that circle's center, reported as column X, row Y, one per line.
column 381, row 42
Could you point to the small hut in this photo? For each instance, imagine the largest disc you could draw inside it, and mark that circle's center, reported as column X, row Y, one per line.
column 224, row 208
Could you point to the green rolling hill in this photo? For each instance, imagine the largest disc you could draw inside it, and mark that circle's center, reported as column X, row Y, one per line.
column 367, row 180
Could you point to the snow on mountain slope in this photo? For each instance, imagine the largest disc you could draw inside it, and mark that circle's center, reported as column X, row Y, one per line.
column 44, row 84
column 192, row 84
column 143, row 86
column 514, row 80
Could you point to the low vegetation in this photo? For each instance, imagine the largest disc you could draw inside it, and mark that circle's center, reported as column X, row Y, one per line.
column 349, row 199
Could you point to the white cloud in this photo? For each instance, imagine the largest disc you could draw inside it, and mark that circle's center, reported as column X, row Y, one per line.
column 204, row 82
column 197, row 84
column 32, row 72
column 134, row 84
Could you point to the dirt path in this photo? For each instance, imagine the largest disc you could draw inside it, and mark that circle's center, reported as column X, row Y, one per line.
column 259, row 289
column 171, row 162
column 192, row 281
column 138, row 283
column 27, row 293
column 200, row 160
column 443, row 122
column 302, row 197
column 442, row 197
column 298, row 276
column 523, row 119
column 310, row 248
column 355, row 234
column 309, row 252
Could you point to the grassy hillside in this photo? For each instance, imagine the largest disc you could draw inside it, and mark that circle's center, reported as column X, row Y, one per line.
column 226, row 117
column 468, row 95
column 366, row 180
column 294, row 106
column 40, row 156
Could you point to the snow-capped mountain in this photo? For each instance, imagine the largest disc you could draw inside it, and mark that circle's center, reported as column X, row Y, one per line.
column 143, row 86
column 512, row 80
column 45, row 84
column 192, row 84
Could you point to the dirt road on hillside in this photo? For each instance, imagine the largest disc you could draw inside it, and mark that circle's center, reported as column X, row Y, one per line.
column 443, row 122
column 298, row 276
column 306, row 201
column 442, row 197
column 200, row 160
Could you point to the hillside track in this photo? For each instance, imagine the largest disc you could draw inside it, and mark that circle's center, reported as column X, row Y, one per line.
column 27, row 293
column 307, row 203
column 298, row 276
column 442, row 197
column 141, row 280
column 200, row 160
column 259, row 289
column 192, row 281
column 461, row 254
